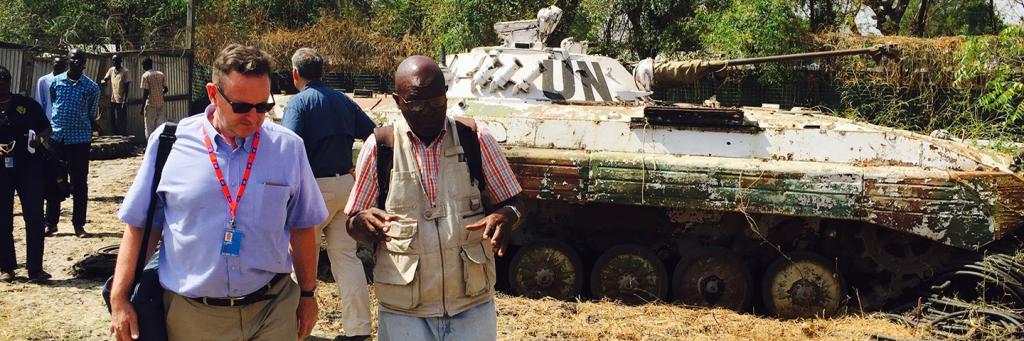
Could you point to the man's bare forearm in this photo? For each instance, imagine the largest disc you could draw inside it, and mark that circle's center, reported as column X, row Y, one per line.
column 127, row 258
column 304, row 249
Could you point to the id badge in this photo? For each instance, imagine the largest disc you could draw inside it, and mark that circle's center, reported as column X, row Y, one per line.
column 232, row 242
column 9, row 162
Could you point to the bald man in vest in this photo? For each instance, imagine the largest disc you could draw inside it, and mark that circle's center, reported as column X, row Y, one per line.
column 434, row 274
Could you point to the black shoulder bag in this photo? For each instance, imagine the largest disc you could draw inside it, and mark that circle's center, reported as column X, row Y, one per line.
column 147, row 294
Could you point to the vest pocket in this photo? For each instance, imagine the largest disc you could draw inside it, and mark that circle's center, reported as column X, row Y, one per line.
column 470, row 211
column 401, row 233
column 475, row 275
column 394, row 280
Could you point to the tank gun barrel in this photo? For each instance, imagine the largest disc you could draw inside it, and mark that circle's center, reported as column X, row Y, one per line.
column 650, row 75
column 886, row 50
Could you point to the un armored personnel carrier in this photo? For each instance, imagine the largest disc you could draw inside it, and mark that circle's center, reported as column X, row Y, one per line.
column 792, row 212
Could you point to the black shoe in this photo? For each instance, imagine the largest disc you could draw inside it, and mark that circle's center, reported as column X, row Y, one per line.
column 39, row 276
column 7, row 276
column 50, row 230
column 80, row 232
column 352, row 338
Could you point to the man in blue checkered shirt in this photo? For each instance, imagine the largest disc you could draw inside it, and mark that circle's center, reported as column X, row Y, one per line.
column 75, row 102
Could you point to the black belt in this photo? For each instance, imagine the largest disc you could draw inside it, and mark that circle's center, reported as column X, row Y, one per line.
column 256, row 296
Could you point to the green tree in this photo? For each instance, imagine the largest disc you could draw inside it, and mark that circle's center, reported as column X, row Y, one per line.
column 747, row 28
column 134, row 24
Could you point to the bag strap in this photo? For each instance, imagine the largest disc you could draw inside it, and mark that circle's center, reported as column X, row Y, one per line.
column 385, row 161
column 467, row 130
column 164, row 146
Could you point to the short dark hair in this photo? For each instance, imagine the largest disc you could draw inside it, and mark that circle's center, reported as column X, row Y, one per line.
column 309, row 63
column 247, row 60
column 147, row 62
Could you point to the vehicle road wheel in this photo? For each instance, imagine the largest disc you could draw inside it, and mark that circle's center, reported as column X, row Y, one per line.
column 713, row 277
column 803, row 285
column 631, row 274
column 546, row 269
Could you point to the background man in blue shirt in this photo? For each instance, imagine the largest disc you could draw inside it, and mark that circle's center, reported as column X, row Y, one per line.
column 226, row 271
column 75, row 102
column 42, row 92
column 329, row 122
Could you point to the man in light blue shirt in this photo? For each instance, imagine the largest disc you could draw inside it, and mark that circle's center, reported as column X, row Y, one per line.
column 226, row 271
column 42, row 93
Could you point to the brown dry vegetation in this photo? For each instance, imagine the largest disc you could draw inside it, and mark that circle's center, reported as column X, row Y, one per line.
column 347, row 45
column 71, row 309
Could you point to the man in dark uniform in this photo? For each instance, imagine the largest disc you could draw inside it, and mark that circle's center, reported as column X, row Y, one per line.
column 21, row 172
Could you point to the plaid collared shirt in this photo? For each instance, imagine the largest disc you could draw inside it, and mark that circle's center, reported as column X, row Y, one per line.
column 501, row 182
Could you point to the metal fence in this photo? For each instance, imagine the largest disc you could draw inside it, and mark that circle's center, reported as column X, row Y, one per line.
column 27, row 64
column 176, row 67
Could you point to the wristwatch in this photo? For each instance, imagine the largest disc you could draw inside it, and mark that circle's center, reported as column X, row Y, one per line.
column 310, row 293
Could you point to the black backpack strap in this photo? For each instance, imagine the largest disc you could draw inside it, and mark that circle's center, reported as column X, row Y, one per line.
column 167, row 138
column 385, row 159
column 466, row 128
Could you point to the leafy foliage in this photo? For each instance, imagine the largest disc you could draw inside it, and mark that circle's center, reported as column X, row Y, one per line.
column 133, row 24
column 998, row 63
column 747, row 28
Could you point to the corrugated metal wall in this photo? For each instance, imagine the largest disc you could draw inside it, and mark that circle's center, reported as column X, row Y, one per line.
column 14, row 60
column 28, row 65
column 176, row 70
column 40, row 67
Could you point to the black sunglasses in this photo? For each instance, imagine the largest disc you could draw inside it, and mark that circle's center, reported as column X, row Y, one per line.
column 421, row 104
column 244, row 108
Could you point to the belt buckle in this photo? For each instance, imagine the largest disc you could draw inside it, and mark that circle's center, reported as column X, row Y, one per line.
column 231, row 300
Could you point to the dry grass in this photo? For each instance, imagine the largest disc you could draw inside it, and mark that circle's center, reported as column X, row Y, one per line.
column 71, row 309
column 521, row 318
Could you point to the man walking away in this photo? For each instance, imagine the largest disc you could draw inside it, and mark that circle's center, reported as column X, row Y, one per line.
column 52, row 177
column 328, row 122
column 42, row 93
column 118, row 78
column 21, row 172
column 75, row 102
column 236, row 207
column 154, row 86
column 434, row 275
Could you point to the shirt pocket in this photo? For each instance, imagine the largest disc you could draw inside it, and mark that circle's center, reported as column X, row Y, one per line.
column 273, row 207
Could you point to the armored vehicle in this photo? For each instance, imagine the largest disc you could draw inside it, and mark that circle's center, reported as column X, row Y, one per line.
column 785, row 211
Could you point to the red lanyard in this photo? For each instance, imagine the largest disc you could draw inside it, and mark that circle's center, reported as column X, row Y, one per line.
column 232, row 203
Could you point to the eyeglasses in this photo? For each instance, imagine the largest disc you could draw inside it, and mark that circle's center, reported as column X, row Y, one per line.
column 244, row 108
column 422, row 104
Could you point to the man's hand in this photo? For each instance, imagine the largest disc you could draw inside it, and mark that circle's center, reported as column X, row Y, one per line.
column 371, row 225
column 307, row 314
column 124, row 323
column 496, row 228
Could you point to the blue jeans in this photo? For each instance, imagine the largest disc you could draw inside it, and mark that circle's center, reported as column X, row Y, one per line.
column 477, row 323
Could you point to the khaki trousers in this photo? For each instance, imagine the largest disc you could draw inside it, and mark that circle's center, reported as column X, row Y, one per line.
column 341, row 249
column 153, row 117
column 271, row 320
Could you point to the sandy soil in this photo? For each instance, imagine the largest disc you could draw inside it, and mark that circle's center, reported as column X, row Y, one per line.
column 71, row 309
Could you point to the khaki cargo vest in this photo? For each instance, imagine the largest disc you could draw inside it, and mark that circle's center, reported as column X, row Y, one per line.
column 433, row 266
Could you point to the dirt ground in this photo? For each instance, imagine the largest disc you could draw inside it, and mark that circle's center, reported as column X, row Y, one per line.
column 72, row 309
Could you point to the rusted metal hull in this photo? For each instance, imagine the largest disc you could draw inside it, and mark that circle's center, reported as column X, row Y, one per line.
column 962, row 209
column 792, row 163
